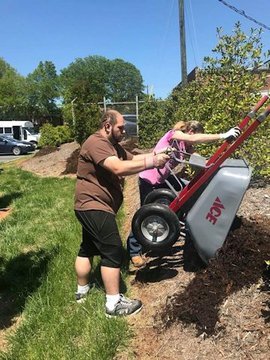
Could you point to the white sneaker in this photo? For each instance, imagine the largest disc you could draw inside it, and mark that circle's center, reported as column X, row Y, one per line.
column 125, row 307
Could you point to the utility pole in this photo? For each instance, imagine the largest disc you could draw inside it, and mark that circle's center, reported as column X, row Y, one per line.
column 72, row 110
column 182, row 41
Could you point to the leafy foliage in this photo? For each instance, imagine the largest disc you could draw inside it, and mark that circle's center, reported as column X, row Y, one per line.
column 125, row 81
column 152, row 122
column 85, row 79
column 54, row 135
column 12, row 87
column 42, row 93
column 222, row 94
column 86, row 121
column 94, row 77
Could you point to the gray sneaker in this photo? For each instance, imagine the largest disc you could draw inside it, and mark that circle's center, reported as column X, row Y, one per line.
column 125, row 307
column 81, row 298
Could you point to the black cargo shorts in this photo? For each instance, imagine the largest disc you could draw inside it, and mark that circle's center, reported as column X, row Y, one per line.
column 100, row 236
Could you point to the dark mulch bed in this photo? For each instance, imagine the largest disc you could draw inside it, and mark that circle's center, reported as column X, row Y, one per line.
column 239, row 264
column 72, row 163
column 46, row 150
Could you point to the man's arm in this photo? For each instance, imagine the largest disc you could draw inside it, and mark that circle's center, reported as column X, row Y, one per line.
column 134, row 166
column 140, row 156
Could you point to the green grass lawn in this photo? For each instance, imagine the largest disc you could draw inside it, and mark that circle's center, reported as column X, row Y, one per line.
column 38, row 245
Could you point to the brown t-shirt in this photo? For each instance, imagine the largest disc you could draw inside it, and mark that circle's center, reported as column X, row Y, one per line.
column 96, row 187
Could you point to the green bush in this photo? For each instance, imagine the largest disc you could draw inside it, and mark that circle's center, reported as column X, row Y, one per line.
column 64, row 133
column 54, row 135
column 153, row 122
column 86, row 120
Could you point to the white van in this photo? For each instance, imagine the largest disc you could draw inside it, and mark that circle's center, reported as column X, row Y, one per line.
column 20, row 130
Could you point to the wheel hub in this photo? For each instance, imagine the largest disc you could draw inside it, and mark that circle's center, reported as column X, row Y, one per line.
column 154, row 228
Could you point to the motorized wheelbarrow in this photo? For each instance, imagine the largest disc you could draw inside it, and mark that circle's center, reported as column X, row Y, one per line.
column 206, row 206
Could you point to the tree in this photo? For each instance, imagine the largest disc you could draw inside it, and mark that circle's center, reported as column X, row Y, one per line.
column 86, row 122
column 12, row 89
column 43, row 92
column 94, row 77
column 125, row 81
column 85, row 79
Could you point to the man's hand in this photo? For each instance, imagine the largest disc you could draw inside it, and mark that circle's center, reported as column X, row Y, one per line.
column 167, row 150
column 232, row 133
column 160, row 160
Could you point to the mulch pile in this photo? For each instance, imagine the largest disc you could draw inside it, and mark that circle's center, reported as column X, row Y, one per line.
column 45, row 151
column 239, row 264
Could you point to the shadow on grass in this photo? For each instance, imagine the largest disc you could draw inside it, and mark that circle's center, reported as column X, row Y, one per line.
column 96, row 280
column 19, row 278
column 6, row 200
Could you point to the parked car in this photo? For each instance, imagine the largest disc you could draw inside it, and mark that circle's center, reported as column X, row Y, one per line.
column 130, row 125
column 9, row 145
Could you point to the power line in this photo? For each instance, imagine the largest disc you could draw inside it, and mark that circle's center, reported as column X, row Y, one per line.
column 165, row 34
column 195, row 45
column 242, row 12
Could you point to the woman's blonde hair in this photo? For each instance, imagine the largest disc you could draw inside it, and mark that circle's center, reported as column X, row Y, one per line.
column 186, row 126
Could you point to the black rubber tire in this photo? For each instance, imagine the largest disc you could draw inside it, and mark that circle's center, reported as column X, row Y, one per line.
column 155, row 226
column 160, row 196
column 16, row 151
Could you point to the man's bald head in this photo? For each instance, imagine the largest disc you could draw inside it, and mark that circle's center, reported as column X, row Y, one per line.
column 109, row 116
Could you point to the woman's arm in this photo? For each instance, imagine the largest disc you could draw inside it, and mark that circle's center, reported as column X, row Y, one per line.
column 202, row 138
column 195, row 138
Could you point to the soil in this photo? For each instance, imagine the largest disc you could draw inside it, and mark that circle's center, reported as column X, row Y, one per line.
column 4, row 212
column 221, row 311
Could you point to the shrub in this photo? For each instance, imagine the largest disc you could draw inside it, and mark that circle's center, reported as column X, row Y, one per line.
column 153, row 122
column 64, row 133
column 54, row 135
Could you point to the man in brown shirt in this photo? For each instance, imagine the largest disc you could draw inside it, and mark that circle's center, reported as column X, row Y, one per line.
column 98, row 196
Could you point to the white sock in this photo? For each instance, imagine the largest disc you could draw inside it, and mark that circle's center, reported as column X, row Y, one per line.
column 111, row 301
column 83, row 289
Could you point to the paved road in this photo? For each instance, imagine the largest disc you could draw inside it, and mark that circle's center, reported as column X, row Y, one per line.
column 6, row 158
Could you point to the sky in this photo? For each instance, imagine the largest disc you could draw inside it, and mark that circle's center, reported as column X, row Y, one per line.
column 144, row 33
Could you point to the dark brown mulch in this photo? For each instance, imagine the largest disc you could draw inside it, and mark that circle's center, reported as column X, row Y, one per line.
column 238, row 265
column 266, row 287
column 46, row 150
column 72, row 163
